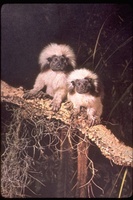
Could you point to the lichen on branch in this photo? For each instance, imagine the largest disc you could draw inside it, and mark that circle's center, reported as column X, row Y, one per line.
column 109, row 145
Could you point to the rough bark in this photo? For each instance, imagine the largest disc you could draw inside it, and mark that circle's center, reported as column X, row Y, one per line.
column 109, row 145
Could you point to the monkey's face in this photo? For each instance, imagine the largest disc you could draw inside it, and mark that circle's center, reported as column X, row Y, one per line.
column 58, row 63
column 83, row 85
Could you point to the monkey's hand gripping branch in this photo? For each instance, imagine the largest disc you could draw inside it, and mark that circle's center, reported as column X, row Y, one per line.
column 109, row 145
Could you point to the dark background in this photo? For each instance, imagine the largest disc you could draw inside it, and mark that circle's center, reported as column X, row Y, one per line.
column 27, row 28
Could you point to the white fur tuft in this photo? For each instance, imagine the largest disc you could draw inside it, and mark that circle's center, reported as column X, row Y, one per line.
column 58, row 50
column 80, row 74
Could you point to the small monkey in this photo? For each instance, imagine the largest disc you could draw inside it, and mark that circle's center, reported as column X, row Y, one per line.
column 85, row 90
column 56, row 62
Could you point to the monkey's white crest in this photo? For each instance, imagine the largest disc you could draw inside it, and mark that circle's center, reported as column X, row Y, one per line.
column 80, row 74
column 58, row 50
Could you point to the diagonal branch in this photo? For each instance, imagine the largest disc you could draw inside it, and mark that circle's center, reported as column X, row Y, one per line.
column 109, row 145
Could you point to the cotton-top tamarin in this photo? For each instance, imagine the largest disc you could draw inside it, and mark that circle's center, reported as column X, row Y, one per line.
column 85, row 90
column 56, row 62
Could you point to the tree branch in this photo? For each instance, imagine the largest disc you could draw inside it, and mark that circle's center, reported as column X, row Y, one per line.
column 109, row 145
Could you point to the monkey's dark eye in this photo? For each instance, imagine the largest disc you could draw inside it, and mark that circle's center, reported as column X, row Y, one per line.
column 55, row 59
column 49, row 59
column 88, row 79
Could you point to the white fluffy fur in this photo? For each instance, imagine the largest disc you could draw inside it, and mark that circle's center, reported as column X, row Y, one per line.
column 55, row 81
column 58, row 50
column 93, row 104
column 80, row 74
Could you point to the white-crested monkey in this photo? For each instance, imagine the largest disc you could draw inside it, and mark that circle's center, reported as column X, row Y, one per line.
column 56, row 62
column 85, row 90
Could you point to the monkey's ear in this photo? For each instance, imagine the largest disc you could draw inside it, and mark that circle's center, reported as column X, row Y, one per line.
column 46, row 65
column 49, row 59
column 71, row 87
column 73, row 83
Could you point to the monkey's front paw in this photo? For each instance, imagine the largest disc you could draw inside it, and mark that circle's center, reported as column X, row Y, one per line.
column 28, row 95
column 42, row 95
column 94, row 120
column 55, row 106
